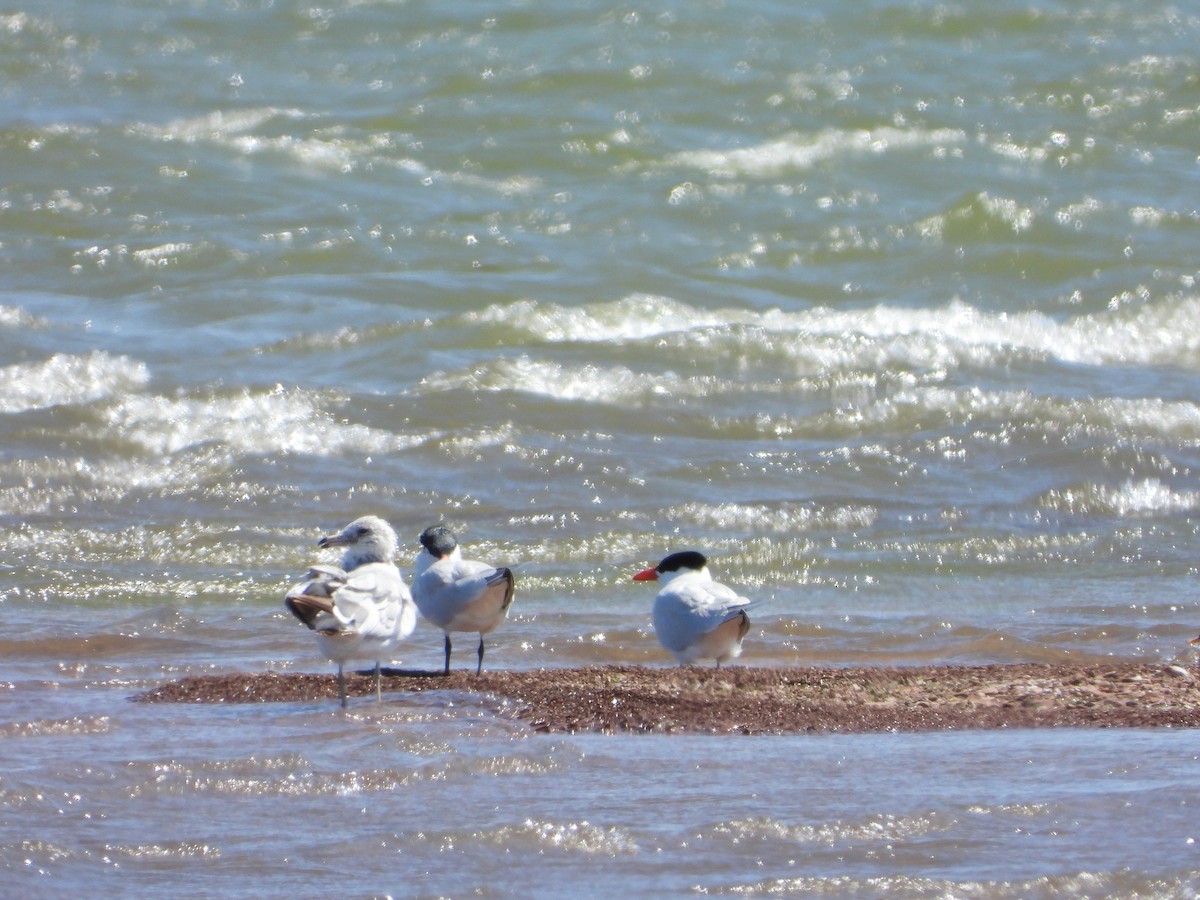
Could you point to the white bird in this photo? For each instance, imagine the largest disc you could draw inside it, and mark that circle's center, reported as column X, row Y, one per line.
column 457, row 594
column 363, row 609
column 694, row 616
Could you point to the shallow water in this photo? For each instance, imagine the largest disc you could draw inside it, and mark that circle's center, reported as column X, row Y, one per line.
column 889, row 308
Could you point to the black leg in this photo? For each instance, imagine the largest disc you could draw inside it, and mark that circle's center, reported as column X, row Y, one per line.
column 342, row 685
column 479, row 668
column 447, row 669
column 378, row 692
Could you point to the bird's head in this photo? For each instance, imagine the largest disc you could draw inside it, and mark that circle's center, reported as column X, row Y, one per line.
column 674, row 564
column 368, row 539
column 438, row 541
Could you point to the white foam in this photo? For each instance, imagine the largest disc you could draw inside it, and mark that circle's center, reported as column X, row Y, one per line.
column 277, row 421
column 318, row 148
column 578, row 837
column 15, row 317
column 585, row 383
column 1163, row 331
column 882, row 828
column 635, row 317
column 804, row 151
column 1132, row 499
column 162, row 254
column 786, row 518
column 333, row 154
column 1117, row 417
column 68, row 380
column 215, row 126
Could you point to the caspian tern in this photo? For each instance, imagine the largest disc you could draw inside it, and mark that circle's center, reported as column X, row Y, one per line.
column 694, row 616
column 457, row 594
column 363, row 609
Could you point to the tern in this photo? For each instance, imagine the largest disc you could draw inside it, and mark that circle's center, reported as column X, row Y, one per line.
column 363, row 609
column 457, row 594
column 694, row 616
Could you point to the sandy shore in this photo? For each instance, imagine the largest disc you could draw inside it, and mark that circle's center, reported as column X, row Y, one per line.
column 767, row 701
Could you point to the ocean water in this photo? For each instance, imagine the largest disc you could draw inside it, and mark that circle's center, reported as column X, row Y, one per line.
column 889, row 308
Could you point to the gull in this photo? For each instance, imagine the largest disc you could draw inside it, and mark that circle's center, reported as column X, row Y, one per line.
column 362, row 609
column 694, row 616
column 457, row 594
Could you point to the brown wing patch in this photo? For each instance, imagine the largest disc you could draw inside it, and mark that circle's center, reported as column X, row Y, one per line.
column 503, row 580
column 306, row 607
column 744, row 628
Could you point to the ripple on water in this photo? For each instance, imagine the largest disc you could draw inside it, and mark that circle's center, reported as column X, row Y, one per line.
column 536, row 837
column 80, row 725
column 1081, row 884
column 882, row 828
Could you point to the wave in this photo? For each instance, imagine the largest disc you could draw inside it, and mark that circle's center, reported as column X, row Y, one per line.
column 269, row 130
column 217, row 126
column 1083, row 884
column 78, row 725
column 632, row 318
column 1016, row 413
column 778, row 518
column 587, row 383
column 1160, row 332
column 878, row 827
column 149, row 442
column 539, row 837
column 281, row 420
column 822, row 372
column 806, row 151
column 16, row 317
column 1133, row 499
column 68, row 380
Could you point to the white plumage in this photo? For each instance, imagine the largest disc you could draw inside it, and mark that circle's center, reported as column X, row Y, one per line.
column 457, row 594
column 694, row 616
column 363, row 609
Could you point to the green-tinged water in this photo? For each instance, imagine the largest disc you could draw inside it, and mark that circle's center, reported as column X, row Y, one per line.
column 890, row 309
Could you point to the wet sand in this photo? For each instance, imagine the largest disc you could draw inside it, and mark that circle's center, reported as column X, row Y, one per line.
column 743, row 700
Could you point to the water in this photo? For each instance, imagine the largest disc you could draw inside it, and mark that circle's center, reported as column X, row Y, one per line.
column 891, row 309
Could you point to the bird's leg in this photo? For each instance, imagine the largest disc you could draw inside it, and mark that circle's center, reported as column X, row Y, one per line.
column 447, row 669
column 378, row 692
column 479, row 668
column 342, row 685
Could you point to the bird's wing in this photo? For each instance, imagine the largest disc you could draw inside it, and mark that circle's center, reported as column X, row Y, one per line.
column 486, row 587
column 327, row 573
column 398, row 616
column 371, row 599
column 470, row 595
column 307, row 608
column 684, row 612
column 311, row 600
column 461, row 585
column 501, row 585
column 710, row 599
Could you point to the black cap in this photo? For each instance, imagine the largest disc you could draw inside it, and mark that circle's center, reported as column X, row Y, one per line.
column 438, row 540
column 684, row 559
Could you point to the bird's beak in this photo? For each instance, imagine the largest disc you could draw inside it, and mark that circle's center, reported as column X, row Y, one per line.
column 652, row 575
column 1195, row 642
column 332, row 540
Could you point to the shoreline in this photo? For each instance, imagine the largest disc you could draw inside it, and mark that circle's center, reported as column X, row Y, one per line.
column 746, row 700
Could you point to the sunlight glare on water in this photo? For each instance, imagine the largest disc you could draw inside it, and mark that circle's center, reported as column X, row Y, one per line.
column 889, row 309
